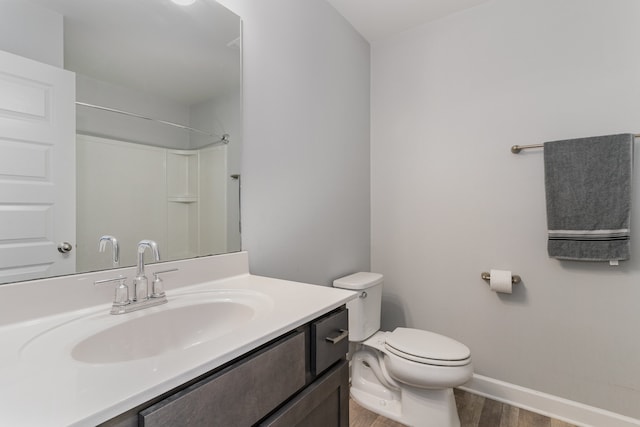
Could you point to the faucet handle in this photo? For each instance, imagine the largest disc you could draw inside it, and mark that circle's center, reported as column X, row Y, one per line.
column 157, row 287
column 165, row 271
column 122, row 291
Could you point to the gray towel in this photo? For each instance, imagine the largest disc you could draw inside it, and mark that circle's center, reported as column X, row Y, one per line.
column 588, row 189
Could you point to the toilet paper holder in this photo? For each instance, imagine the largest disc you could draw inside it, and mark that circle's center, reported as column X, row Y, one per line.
column 515, row 279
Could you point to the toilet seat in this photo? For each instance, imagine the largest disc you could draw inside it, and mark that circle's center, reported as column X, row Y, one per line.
column 427, row 347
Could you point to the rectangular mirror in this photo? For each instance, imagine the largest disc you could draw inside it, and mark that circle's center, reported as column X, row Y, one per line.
column 158, row 135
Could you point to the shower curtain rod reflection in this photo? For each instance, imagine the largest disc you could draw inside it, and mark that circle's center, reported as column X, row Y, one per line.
column 515, row 149
column 224, row 139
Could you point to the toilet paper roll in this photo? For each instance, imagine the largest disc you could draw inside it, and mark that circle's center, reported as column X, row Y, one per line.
column 500, row 281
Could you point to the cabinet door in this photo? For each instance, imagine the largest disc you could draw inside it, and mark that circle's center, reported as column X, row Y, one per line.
column 239, row 395
column 325, row 403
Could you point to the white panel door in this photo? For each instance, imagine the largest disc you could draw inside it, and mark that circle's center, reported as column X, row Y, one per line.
column 37, row 169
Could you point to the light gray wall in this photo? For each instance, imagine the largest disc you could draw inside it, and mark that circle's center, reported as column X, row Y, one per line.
column 305, row 179
column 32, row 32
column 449, row 200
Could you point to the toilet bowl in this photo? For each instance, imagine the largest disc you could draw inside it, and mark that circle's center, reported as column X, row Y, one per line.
column 408, row 374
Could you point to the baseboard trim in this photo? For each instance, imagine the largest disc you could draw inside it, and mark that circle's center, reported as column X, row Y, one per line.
column 547, row 404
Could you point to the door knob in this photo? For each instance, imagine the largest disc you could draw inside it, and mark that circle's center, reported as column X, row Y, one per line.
column 64, row 247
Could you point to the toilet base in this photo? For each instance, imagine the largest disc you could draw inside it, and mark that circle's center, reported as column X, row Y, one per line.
column 417, row 407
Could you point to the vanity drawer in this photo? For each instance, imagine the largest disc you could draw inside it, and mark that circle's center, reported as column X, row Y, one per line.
column 329, row 340
column 239, row 395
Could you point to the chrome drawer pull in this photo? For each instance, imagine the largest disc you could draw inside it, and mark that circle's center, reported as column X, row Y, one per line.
column 335, row 340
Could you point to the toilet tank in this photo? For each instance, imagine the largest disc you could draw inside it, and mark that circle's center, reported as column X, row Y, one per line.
column 364, row 311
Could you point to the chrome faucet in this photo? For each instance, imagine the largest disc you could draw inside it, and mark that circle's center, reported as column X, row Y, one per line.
column 141, row 283
column 114, row 246
column 142, row 297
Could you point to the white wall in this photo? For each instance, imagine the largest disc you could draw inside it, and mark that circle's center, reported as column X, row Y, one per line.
column 305, row 177
column 449, row 200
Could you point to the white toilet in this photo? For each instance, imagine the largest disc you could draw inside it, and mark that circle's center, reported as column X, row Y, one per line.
column 406, row 375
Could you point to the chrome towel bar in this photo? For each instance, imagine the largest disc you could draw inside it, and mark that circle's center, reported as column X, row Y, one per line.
column 515, row 149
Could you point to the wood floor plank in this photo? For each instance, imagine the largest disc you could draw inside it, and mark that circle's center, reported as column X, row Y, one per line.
column 558, row 423
column 360, row 417
column 491, row 414
column 531, row 419
column 459, row 396
column 470, row 409
column 509, row 416
column 385, row 422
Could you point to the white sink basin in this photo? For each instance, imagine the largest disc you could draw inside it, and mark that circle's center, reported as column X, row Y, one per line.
column 186, row 321
column 166, row 330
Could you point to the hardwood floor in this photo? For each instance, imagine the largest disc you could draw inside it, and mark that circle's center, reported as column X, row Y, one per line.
column 360, row 417
column 474, row 411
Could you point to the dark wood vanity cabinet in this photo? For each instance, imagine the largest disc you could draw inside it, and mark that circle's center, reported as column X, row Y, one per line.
column 323, row 403
column 298, row 379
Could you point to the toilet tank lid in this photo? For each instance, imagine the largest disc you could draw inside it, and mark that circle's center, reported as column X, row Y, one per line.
column 356, row 281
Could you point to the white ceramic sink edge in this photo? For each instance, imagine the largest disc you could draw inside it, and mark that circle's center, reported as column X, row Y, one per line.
column 38, row 366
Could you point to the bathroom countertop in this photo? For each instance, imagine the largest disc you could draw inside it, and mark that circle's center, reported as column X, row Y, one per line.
column 49, row 387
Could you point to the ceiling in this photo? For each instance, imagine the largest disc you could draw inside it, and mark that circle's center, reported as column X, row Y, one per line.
column 378, row 19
